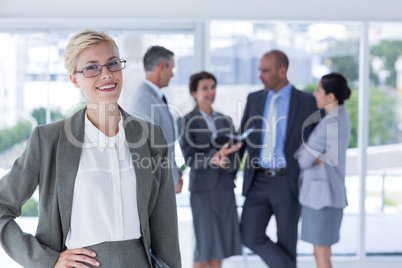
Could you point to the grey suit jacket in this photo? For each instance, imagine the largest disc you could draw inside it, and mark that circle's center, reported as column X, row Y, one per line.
column 51, row 161
column 301, row 106
column 323, row 185
column 147, row 105
column 198, row 150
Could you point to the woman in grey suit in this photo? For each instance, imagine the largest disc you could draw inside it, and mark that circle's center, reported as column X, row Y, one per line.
column 106, row 195
column 322, row 162
column 212, row 176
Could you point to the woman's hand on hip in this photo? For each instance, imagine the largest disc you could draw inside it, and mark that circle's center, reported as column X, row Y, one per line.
column 70, row 258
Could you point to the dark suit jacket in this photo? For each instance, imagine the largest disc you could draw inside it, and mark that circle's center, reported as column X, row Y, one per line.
column 51, row 161
column 301, row 106
column 195, row 143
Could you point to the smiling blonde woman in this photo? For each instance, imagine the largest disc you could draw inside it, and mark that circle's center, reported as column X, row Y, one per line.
column 98, row 205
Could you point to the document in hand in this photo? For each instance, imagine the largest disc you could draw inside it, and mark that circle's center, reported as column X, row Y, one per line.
column 226, row 137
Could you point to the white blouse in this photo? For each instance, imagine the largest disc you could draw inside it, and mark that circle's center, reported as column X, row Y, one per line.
column 105, row 192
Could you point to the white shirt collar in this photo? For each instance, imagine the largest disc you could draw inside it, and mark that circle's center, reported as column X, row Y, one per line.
column 154, row 87
column 102, row 141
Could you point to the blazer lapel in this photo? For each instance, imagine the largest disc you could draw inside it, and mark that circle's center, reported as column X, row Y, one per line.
column 259, row 111
column 221, row 122
column 293, row 108
column 260, row 103
column 67, row 161
column 136, row 136
column 200, row 122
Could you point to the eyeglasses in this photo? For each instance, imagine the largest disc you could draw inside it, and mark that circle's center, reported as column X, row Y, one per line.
column 96, row 69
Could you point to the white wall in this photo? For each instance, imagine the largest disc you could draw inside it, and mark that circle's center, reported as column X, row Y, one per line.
column 352, row 10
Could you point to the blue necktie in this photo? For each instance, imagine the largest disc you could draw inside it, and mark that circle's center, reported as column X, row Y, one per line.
column 269, row 142
column 164, row 99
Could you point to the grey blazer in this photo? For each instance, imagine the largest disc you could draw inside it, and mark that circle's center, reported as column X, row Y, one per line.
column 323, row 185
column 51, row 161
column 147, row 105
column 198, row 150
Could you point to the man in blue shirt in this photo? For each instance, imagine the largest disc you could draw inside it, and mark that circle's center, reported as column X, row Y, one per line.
column 271, row 173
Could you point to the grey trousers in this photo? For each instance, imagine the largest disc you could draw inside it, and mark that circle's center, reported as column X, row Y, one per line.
column 120, row 254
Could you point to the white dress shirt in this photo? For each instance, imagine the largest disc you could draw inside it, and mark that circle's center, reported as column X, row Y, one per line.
column 105, row 192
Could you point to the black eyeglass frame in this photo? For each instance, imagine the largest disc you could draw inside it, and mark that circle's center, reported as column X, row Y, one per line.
column 100, row 68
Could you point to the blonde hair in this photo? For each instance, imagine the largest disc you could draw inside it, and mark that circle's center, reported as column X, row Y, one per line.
column 83, row 39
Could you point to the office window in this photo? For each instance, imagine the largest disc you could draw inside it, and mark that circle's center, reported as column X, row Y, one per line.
column 26, row 63
column 384, row 173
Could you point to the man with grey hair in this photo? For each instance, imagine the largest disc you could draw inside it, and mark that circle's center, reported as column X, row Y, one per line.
column 150, row 104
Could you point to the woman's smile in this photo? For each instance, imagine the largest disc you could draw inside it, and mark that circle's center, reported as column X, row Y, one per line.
column 107, row 87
